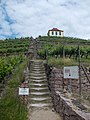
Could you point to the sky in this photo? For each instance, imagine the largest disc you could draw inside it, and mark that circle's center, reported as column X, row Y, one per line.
column 25, row 18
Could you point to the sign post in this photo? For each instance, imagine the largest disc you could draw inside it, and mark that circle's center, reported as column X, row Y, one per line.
column 24, row 92
column 71, row 72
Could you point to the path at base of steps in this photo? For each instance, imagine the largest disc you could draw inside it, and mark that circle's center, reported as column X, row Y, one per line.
column 43, row 114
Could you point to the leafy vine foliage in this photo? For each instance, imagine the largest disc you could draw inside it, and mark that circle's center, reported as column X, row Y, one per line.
column 7, row 65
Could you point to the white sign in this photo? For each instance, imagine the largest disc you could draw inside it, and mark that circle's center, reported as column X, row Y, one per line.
column 23, row 91
column 71, row 72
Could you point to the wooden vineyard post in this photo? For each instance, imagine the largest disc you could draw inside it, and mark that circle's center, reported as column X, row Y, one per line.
column 46, row 53
column 63, row 51
column 63, row 83
column 80, row 83
column 70, row 85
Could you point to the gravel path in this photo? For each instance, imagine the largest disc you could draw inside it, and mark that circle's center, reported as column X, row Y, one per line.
column 43, row 114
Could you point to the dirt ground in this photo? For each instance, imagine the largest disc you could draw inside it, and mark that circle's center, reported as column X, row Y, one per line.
column 43, row 114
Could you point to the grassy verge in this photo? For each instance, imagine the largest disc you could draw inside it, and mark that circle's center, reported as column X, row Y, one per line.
column 60, row 62
column 10, row 106
column 85, row 61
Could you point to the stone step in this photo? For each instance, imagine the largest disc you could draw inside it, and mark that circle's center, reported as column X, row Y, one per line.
column 37, row 74
column 37, row 66
column 40, row 93
column 38, row 84
column 40, row 99
column 41, row 105
column 32, row 90
column 37, row 63
column 38, row 81
column 41, row 76
column 38, row 77
column 37, row 70
column 39, row 88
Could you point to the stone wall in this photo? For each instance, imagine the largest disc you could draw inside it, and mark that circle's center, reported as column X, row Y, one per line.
column 59, row 83
column 68, row 108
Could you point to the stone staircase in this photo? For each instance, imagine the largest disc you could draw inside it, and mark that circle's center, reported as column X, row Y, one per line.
column 39, row 92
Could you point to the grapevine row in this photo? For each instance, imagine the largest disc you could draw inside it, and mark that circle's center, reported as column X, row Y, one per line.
column 69, row 51
column 7, row 64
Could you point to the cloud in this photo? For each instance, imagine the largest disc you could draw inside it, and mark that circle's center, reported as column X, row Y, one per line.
column 33, row 18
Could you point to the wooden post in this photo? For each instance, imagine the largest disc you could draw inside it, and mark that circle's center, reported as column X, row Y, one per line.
column 62, row 83
column 70, row 86
column 35, row 48
column 79, row 60
column 63, row 51
column 46, row 52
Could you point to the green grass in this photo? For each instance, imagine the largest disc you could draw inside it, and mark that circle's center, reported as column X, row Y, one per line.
column 60, row 62
column 11, row 107
column 62, row 39
column 84, row 60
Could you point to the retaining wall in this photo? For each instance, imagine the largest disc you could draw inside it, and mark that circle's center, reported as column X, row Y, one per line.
column 67, row 108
